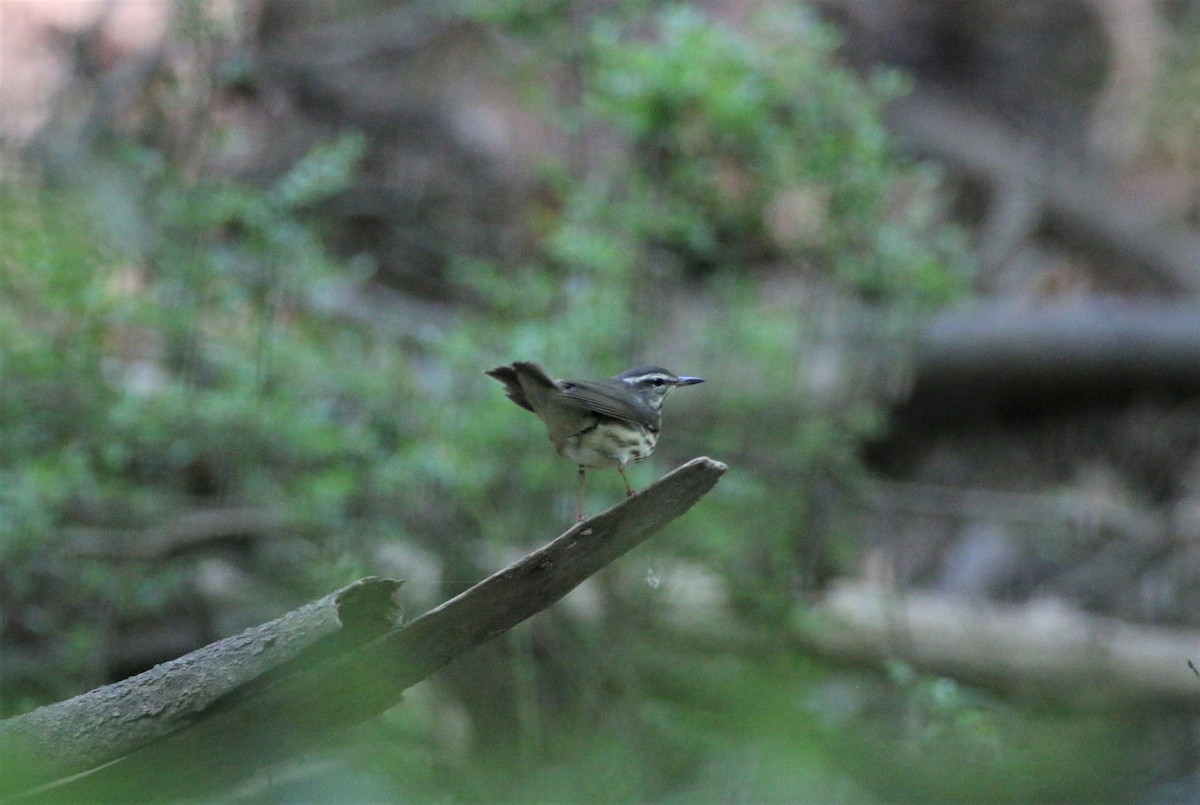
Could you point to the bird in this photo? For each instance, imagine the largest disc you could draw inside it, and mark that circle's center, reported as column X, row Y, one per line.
column 598, row 424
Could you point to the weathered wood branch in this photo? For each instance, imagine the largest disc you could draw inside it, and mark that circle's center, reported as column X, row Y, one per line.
column 89, row 730
column 1046, row 647
column 242, row 722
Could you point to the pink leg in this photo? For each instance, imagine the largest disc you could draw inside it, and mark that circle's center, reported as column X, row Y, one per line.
column 579, row 497
column 628, row 488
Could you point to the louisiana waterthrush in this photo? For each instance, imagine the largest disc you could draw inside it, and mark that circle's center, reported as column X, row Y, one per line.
column 595, row 423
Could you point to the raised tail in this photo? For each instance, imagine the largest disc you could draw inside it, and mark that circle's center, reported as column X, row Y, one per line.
column 519, row 375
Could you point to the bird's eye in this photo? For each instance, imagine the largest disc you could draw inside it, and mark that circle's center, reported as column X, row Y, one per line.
column 658, row 381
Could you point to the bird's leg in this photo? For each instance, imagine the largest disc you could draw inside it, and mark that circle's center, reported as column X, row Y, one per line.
column 579, row 497
column 628, row 488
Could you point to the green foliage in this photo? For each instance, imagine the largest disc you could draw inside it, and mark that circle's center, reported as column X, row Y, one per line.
column 752, row 226
column 754, row 147
column 930, row 739
column 200, row 374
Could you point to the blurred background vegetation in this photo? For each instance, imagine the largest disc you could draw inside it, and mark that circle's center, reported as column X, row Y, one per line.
column 253, row 268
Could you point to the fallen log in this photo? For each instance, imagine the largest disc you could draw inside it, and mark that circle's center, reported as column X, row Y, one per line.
column 1044, row 647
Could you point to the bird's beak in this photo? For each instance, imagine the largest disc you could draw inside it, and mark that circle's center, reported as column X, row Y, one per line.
column 689, row 381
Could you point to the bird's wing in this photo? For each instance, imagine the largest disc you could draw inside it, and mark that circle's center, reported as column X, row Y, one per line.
column 602, row 399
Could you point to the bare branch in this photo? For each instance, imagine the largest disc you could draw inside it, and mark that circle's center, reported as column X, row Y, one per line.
column 94, row 728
